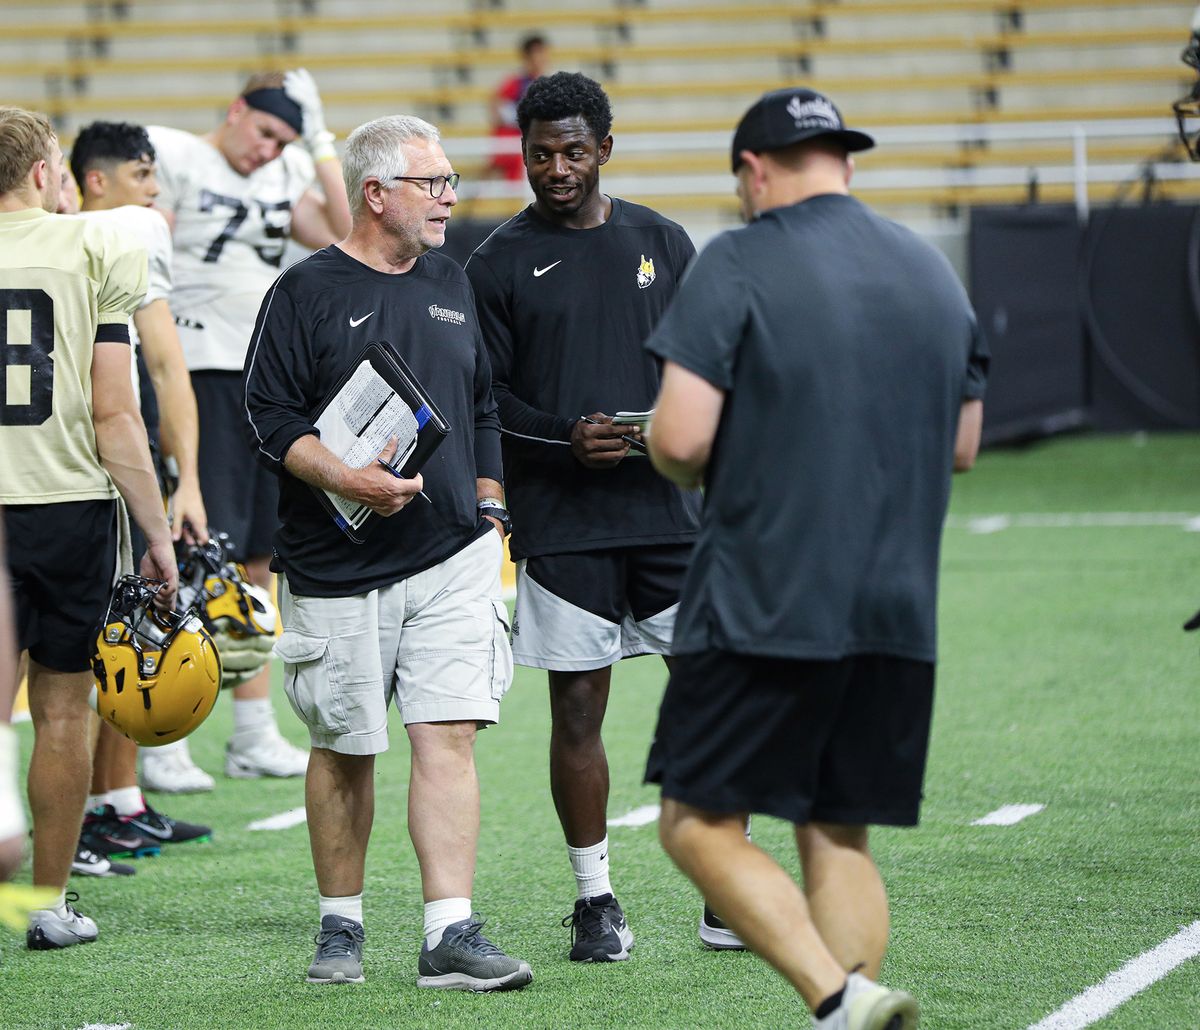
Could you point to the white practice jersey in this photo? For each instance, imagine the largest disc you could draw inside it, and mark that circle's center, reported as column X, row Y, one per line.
column 230, row 234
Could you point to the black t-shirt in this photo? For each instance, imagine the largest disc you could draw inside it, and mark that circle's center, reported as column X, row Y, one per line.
column 564, row 314
column 313, row 325
column 845, row 346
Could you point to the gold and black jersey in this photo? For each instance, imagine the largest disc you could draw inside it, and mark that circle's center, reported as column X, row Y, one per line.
column 66, row 283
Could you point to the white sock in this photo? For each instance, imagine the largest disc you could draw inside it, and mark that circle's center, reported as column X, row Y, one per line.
column 440, row 914
column 166, row 749
column 251, row 717
column 95, row 801
column 591, row 869
column 58, row 905
column 127, row 800
column 12, row 810
column 349, row 907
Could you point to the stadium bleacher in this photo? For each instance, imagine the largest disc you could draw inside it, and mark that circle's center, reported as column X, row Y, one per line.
column 679, row 72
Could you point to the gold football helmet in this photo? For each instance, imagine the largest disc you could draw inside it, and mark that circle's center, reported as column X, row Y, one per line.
column 240, row 616
column 157, row 673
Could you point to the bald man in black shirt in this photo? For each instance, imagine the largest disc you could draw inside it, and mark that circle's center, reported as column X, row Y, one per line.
column 823, row 375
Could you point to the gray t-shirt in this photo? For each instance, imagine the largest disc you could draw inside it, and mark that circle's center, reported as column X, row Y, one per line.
column 846, row 346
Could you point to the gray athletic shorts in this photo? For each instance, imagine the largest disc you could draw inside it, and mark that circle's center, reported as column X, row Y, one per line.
column 437, row 642
column 577, row 612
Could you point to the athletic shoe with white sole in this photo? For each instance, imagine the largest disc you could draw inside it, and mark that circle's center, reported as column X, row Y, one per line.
column 170, row 770
column 104, row 833
column 88, row 863
column 268, row 754
column 868, row 1006
column 716, row 935
column 339, row 952
column 465, row 960
column 599, row 932
column 49, row 930
column 162, row 828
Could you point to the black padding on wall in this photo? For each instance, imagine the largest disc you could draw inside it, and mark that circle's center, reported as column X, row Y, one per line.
column 1139, row 297
column 1024, row 284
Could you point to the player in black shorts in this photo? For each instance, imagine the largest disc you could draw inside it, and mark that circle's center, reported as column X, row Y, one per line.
column 567, row 291
column 823, row 374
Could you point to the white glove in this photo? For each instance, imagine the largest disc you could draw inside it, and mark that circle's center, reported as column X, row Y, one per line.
column 301, row 87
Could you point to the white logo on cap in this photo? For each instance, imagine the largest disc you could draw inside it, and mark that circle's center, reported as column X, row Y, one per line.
column 817, row 113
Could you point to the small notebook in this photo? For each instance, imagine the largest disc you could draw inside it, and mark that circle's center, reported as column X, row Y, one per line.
column 377, row 399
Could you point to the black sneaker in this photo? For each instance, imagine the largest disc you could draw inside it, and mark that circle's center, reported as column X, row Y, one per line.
column 88, row 863
column 716, row 935
column 155, row 826
column 599, row 932
column 339, row 952
column 465, row 960
column 105, row 834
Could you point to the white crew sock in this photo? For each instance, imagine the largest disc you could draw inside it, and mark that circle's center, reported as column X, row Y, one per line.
column 440, row 914
column 59, row 905
column 166, row 749
column 349, row 907
column 251, row 718
column 591, row 869
column 12, row 810
column 95, row 801
column 127, row 800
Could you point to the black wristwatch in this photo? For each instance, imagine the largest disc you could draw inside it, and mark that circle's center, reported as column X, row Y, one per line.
column 492, row 508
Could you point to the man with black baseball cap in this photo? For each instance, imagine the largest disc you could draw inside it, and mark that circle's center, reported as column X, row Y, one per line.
column 823, row 375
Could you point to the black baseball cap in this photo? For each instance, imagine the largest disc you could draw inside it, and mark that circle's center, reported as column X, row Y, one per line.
column 786, row 116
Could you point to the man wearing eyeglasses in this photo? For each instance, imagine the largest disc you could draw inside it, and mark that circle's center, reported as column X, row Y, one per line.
column 413, row 613
column 233, row 197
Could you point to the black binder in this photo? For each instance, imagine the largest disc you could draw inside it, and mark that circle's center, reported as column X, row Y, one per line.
column 410, row 456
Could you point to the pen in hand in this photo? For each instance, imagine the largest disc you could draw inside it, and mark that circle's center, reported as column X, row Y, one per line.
column 397, row 475
column 636, row 445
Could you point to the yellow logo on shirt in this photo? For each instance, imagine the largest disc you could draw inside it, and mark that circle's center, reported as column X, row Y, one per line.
column 645, row 272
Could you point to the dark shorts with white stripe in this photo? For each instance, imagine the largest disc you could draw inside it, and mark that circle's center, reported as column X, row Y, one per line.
column 63, row 562
column 807, row 741
column 241, row 496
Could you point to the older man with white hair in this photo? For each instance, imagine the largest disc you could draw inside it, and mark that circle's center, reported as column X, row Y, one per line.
column 414, row 611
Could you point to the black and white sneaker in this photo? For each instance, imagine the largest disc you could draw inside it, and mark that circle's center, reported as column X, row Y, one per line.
column 162, row 829
column 48, row 930
column 716, row 935
column 465, row 960
column 599, row 932
column 88, row 863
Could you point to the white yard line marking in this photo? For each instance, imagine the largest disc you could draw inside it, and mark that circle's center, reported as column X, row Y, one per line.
column 1008, row 815
column 280, row 822
column 984, row 524
column 1135, row 976
column 638, row 817
column 107, row 1026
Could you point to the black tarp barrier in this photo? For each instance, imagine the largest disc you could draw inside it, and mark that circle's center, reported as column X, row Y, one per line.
column 1096, row 327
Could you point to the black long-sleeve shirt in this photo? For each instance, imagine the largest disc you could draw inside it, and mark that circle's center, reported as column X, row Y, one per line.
column 313, row 325
column 564, row 313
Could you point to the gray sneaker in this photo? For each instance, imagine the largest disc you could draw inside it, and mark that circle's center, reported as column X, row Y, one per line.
column 48, row 930
column 465, row 960
column 868, row 1006
column 339, row 952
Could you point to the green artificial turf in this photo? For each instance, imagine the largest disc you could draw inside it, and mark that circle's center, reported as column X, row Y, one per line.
column 1065, row 680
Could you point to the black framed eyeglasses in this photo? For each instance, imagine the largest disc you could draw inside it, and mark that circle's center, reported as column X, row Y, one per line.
column 437, row 183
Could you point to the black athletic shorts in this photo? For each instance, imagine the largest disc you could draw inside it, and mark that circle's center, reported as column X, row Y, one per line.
column 241, row 496
column 63, row 562
column 808, row 741
column 613, row 584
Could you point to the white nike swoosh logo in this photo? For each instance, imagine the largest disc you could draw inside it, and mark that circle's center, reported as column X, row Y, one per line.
column 359, row 321
column 542, row 271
